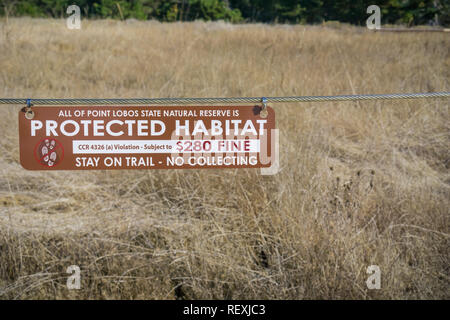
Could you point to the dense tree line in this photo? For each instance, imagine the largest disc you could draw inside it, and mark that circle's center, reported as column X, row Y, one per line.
column 410, row 12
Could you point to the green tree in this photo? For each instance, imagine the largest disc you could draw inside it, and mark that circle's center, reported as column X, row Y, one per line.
column 411, row 12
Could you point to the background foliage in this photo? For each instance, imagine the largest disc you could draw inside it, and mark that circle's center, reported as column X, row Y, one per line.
column 410, row 12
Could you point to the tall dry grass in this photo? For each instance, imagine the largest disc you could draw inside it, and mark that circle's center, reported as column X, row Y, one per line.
column 361, row 183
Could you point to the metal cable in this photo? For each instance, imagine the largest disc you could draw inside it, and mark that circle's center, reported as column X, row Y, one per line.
column 205, row 101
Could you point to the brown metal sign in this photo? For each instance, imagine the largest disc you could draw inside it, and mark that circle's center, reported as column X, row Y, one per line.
column 116, row 137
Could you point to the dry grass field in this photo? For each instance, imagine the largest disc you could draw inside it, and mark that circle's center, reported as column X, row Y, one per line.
column 361, row 184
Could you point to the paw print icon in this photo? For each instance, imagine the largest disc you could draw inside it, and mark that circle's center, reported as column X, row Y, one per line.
column 49, row 152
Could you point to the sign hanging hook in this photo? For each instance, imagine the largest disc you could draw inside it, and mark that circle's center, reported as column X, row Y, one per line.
column 29, row 113
column 264, row 112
